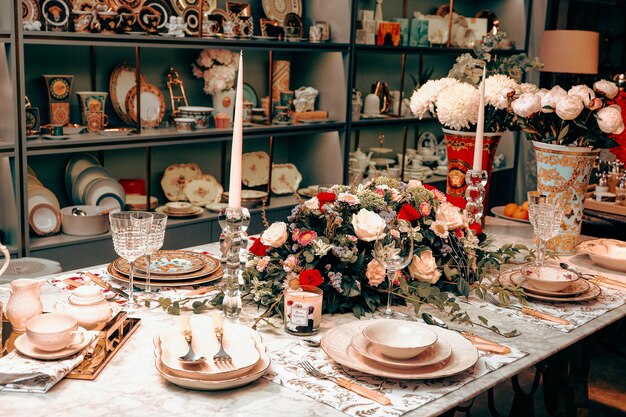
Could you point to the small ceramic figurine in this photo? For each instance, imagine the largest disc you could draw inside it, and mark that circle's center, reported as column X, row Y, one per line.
column 305, row 99
column 32, row 25
column 176, row 27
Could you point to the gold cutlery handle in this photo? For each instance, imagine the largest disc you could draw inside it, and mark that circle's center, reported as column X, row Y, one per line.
column 363, row 391
column 486, row 345
column 600, row 279
column 544, row 316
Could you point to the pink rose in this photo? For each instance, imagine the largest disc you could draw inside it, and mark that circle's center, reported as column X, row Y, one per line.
column 424, row 267
column 375, row 273
column 348, row 198
column 450, row 215
column 414, row 183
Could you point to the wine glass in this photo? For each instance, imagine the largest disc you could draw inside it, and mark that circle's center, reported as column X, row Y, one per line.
column 130, row 231
column 155, row 241
column 545, row 214
column 394, row 251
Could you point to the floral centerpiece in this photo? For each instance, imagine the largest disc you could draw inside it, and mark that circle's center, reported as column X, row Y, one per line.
column 328, row 242
column 568, row 128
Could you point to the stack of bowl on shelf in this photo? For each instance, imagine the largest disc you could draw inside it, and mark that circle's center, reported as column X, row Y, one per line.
column 44, row 216
column 88, row 183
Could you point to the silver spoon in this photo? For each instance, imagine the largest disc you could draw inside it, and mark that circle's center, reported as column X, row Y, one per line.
column 573, row 269
column 191, row 357
column 312, row 342
column 434, row 321
column 78, row 212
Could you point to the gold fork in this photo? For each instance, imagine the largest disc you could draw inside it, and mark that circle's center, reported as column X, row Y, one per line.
column 221, row 356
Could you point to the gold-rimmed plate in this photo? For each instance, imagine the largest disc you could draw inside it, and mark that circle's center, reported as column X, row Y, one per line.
column 152, row 105
column 163, row 283
column 278, row 9
column 594, row 291
column 172, row 262
column 122, row 267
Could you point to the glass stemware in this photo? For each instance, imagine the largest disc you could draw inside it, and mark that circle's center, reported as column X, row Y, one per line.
column 130, row 231
column 394, row 251
column 155, row 241
column 546, row 216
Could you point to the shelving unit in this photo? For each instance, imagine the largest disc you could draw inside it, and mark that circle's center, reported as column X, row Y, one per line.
column 320, row 151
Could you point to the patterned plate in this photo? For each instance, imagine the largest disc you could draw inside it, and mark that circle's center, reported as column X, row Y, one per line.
column 133, row 4
column 164, row 10
column 211, row 265
column 593, row 292
column 285, row 178
column 180, row 5
column 176, row 176
column 278, row 9
column 122, row 80
column 255, row 167
column 162, row 283
column 30, row 10
column 172, row 262
column 152, row 105
column 203, row 190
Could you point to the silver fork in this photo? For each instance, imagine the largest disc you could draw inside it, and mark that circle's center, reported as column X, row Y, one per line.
column 221, row 356
column 529, row 311
column 343, row 382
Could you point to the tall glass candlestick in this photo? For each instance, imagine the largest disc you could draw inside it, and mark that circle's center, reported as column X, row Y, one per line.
column 475, row 195
column 230, row 245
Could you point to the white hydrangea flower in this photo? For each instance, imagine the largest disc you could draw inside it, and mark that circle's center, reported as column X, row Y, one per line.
column 423, row 100
column 457, row 106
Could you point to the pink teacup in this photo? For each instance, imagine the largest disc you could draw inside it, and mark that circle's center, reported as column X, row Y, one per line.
column 54, row 331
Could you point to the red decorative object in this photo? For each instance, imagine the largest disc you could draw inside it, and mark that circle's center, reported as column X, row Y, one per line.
column 620, row 151
column 460, row 148
column 388, row 34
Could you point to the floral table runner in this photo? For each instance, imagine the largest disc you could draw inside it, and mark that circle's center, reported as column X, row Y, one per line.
column 405, row 395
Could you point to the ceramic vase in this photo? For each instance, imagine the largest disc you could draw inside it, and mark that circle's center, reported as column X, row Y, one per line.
column 566, row 171
column 460, row 150
column 224, row 102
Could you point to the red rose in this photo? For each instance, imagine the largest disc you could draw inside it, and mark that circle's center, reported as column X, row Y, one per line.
column 258, row 248
column 325, row 197
column 310, row 277
column 407, row 212
column 476, row 228
column 429, row 187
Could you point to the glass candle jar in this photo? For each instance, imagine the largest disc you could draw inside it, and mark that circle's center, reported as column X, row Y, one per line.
column 303, row 309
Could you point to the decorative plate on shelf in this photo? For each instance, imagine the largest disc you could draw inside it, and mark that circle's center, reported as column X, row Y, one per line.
column 122, row 80
column 59, row 88
column 203, row 190
column 82, row 181
column 152, row 105
column 191, row 17
column 285, row 178
column 56, row 13
column 250, row 95
column 179, row 6
column 133, row 4
column 250, row 198
column 173, row 262
column 30, row 10
column 195, row 211
column 294, row 29
column 175, row 177
column 164, row 10
column 255, row 168
column 278, row 9
column 75, row 166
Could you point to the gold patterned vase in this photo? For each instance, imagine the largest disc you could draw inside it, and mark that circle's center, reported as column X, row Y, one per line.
column 460, row 150
column 565, row 170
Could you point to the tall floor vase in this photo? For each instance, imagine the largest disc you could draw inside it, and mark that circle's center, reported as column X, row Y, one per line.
column 460, row 149
column 565, row 171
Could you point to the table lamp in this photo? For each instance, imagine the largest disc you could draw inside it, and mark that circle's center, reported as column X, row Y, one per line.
column 570, row 51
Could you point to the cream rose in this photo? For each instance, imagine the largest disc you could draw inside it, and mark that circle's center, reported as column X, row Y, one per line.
column 606, row 87
column 375, row 273
column 549, row 99
column 275, row 235
column 424, row 267
column 348, row 198
column 368, row 226
column 568, row 108
column 312, row 204
column 585, row 93
column 526, row 105
column 414, row 183
column 449, row 215
column 610, row 119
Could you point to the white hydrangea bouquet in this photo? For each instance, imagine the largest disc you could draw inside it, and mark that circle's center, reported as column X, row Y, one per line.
column 454, row 100
column 218, row 69
column 581, row 116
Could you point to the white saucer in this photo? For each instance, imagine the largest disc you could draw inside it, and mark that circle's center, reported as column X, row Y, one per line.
column 26, row 347
column 438, row 353
column 216, row 207
column 196, row 211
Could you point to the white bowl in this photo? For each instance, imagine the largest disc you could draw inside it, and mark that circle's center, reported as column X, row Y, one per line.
column 549, row 278
column 398, row 339
column 95, row 222
column 179, row 207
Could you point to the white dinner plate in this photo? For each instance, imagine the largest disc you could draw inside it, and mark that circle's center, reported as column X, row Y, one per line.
column 105, row 192
column 80, row 185
column 499, row 212
column 76, row 165
column 44, row 219
column 41, row 195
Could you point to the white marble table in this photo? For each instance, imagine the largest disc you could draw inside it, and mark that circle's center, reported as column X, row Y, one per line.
column 130, row 385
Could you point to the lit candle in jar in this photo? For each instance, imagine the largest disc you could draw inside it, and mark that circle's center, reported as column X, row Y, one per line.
column 303, row 309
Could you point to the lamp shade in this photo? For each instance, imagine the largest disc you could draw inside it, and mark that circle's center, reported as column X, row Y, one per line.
column 570, row 51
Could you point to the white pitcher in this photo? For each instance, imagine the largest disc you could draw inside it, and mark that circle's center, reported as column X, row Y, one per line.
column 24, row 303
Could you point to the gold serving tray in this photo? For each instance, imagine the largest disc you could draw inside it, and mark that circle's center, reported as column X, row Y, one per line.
column 106, row 345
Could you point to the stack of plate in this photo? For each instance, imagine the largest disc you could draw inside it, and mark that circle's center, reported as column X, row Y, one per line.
column 249, row 358
column 88, row 183
column 578, row 290
column 173, row 268
column 44, row 215
column 450, row 355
